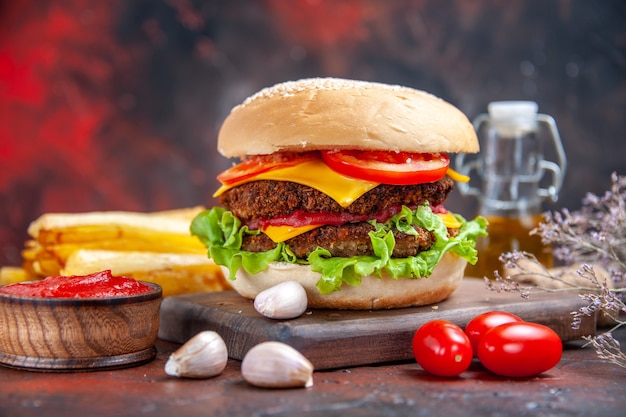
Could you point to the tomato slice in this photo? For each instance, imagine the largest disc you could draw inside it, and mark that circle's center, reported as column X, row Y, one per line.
column 396, row 168
column 258, row 164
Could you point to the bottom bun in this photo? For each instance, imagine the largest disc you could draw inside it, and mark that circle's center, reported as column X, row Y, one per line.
column 373, row 294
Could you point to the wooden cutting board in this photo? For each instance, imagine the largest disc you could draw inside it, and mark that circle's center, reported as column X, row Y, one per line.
column 342, row 338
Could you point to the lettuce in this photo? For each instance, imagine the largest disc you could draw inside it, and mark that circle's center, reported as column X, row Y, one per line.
column 222, row 233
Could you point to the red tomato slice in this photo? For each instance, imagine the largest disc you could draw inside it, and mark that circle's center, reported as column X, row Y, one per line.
column 258, row 164
column 397, row 168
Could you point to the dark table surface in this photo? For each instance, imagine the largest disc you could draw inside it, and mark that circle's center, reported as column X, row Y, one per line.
column 580, row 385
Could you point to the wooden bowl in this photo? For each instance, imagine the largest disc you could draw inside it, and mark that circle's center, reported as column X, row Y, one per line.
column 79, row 334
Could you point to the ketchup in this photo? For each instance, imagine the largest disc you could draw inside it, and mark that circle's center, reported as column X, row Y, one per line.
column 301, row 218
column 97, row 285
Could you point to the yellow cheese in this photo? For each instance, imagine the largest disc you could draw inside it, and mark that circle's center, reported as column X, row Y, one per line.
column 316, row 174
column 282, row 233
column 455, row 176
column 450, row 221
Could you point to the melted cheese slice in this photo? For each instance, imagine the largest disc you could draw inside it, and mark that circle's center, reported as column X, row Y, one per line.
column 458, row 177
column 450, row 221
column 315, row 174
column 282, row 233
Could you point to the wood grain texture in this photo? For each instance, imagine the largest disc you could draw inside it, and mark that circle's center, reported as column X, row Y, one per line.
column 57, row 334
column 344, row 338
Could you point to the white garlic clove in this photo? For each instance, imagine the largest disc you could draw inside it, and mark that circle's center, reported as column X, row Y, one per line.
column 286, row 300
column 276, row 365
column 203, row 356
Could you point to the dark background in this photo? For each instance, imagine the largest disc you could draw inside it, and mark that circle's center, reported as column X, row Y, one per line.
column 116, row 105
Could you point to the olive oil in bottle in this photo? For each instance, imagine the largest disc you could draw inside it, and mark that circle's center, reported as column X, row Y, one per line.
column 505, row 235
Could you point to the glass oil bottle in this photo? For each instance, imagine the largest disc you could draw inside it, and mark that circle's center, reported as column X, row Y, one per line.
column 511, row 169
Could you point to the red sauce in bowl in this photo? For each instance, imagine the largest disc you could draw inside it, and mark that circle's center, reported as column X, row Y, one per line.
column 97, row 285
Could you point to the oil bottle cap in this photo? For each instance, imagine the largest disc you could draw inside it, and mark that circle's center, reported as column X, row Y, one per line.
column 513, row 118
column 502, row 110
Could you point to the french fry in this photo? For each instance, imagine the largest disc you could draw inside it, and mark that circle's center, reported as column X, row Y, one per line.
column 176, row 273
column 146, row 220
column 12, row 274
column 46, row 265
column 60, row 228
column 85, row 261
column 29, row 256
column 51, row 258
column 185, row 280
column 130, row 236
column 123, row 237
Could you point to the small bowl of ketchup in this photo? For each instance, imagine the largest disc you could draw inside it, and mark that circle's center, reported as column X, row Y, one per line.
column 79, row 323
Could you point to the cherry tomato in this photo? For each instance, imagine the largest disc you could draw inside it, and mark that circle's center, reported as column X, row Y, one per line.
column 482, row 323
column 258, row 164
column 398, row 168
column 442, row 348
column 520, row 349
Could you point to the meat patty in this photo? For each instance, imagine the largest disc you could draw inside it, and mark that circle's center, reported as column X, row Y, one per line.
column 268, row 199
column 349, row 240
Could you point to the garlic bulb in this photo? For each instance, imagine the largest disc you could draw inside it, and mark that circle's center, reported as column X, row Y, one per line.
column 203, row 356
column 286, row 300
column 276, row 365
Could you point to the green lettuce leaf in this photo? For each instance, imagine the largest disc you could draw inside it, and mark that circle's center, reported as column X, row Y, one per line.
column 223, row 233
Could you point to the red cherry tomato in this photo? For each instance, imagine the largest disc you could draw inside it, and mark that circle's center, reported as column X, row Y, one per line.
column 442, row 348
column 398, row 168
column 520, row 349
column 482, row 323
column 258, row 164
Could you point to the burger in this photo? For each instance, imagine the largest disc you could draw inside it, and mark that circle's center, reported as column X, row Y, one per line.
column 340, row 185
